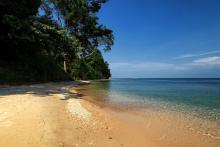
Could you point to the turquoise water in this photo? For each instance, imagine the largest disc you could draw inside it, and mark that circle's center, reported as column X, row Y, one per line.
column 197, row 97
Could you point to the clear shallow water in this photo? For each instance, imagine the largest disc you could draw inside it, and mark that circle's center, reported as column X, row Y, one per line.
column 197, row 97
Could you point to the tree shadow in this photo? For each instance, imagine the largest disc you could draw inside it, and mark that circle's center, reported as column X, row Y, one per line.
column 43, row 90
column 72, row 96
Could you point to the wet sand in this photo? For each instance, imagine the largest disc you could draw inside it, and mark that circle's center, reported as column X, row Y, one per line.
column 55, row 114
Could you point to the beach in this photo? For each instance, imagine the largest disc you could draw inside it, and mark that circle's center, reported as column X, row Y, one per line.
column 59, row 114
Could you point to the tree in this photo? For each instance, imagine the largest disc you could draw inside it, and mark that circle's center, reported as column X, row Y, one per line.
column 80, row 19
column 39, row 35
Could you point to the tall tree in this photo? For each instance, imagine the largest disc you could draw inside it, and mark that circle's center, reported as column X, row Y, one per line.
column 38, row 35
column 80, row 19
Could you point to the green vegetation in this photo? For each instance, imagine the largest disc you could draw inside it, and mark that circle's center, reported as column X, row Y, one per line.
column 37, row 36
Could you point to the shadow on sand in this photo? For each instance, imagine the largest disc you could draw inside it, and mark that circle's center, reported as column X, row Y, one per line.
column 43, row 90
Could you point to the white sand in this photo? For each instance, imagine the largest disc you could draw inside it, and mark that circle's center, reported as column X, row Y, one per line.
column 75, row 108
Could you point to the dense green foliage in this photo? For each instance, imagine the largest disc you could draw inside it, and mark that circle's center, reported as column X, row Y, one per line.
column 37, row 36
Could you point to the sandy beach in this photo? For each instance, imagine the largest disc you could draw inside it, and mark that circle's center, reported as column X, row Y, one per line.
column 57, row 114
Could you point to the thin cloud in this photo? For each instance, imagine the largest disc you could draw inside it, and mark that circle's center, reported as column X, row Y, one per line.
column 207, row 62
column 145, row 66
column 215, row 60
column 163, row 69
column 144, row 69
column 197, row 55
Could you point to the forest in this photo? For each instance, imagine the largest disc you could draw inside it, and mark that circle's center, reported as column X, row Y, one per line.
column 53, row 40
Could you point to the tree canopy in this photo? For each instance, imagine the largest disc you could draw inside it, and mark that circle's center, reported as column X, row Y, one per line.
column 38, row 36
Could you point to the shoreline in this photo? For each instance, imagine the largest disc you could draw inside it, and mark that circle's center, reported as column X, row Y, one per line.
column 137, row 119
column 198, row 133
column 58, row 114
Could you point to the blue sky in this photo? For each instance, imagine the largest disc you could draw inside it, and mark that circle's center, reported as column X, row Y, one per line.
column 163, row 38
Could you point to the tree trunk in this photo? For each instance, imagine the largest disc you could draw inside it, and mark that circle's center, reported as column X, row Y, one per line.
column 65, row 66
